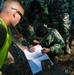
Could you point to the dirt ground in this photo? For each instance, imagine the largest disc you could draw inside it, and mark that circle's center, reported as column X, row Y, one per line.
column 66, row 61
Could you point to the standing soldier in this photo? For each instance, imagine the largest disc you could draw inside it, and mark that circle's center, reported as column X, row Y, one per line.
column 65, row 31
column 56, row 9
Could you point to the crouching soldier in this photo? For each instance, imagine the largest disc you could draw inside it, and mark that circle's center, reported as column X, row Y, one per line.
column 48, row 38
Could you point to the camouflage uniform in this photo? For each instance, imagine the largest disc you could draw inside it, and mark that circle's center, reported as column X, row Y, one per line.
column 44, row 6
column 67, row 24
column 66, row 30
column 26, row 4
column 54, row 40
column 72, row 9
column 56, row 8
column 1, row 4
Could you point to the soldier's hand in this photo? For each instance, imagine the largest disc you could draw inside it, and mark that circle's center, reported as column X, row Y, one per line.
column 36, row 41
column 45, row 50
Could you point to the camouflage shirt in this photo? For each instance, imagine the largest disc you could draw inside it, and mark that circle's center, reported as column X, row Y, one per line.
column 54, row 41
column 1, row 4
column 26, row 4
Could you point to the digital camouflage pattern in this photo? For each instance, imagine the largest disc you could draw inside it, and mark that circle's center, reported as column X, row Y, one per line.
column 26, row 4
column 72, row 9
column 56, row 8
column 54, row 40
column 67, row 24
column 1, row 4
column 66, row 30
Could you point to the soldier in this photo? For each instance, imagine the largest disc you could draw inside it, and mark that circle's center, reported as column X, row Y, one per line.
column 65, row 30
column 35, row 8
column 11, row 14
column 56, row 9
column 50, row 39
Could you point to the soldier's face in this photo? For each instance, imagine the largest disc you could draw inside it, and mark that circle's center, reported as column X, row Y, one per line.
column 17, row 16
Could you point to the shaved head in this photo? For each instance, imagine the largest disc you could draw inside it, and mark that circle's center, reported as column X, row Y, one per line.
column 12, row 11
column 12, row 4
